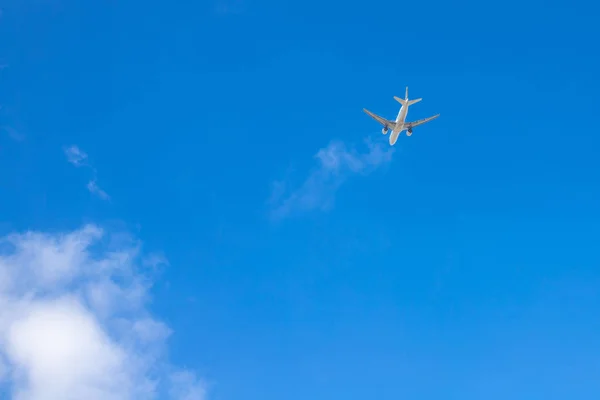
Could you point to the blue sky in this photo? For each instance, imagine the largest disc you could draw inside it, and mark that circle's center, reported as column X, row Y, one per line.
column 307, row 258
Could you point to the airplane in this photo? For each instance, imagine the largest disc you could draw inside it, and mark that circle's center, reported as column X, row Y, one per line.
column 400, row 124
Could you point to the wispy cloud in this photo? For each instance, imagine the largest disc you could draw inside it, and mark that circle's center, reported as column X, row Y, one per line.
column 95, row 189
column 79, row 158
column 74, row 322
column 185, row 386
column 336, row 163
column 75, row 156
column 13, row 133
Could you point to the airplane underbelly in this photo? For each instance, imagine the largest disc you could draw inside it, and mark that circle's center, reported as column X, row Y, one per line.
column 402, row 115
column 393, row 137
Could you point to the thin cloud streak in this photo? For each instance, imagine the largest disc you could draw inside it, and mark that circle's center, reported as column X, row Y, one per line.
column 95, row 189
column 79, row 158
column 76, row 156
column 336, row 163
column 13, row 133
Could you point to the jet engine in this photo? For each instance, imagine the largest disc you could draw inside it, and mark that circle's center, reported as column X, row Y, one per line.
column 384, row 130
column 409, row 132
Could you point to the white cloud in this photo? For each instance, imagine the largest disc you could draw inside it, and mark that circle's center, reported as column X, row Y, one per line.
column 336, row 163
column 74, row 322
column 75, row 156
column 79, row 158
column 185, row 386
column 95, row 189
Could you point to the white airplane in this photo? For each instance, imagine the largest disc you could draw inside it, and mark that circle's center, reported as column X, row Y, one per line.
column 400, row 124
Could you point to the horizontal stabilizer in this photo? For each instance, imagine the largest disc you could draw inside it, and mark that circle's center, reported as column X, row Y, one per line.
column 405, row 102
column 399, row 100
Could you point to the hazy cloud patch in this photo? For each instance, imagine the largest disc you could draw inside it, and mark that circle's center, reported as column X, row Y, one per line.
column 79, row 158
column 74, row 322
column 76, row 156
column 335, row 164
column 95, row 189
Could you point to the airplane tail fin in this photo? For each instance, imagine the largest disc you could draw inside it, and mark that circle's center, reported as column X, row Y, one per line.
column 403, row 101
column 411, row 102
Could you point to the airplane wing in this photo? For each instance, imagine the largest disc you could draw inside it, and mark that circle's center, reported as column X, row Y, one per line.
column 381, row 120
column 420, row 121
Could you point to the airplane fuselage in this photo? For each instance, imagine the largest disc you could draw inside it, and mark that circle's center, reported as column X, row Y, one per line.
column 399, row 124
column 401, row 118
